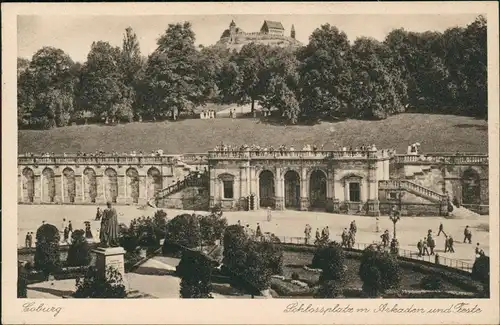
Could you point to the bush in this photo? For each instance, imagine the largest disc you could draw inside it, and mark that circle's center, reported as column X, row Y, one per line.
column 95, row 285
column 184, row 230
column 144, row 230
column 481, row 272
column 212, row 228
column 379, row 271
column 330, row 259
column 295, row 276
column 79, row 251
column 130, row 259
column 47, row 255
column 22, row 284
column 329, row 289
column 431, row 282
column 195, row 271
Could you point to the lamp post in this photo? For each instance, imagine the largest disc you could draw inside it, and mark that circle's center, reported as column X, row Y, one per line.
column 394, row 218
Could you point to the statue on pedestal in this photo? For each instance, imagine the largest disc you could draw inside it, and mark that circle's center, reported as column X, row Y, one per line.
column 108, row 235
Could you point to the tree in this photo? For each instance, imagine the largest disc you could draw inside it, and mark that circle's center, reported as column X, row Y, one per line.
column 212, row 228
column 330, row 259
column 195, row 271
column 103, row 90
column 379, row 271
column 178, row 79
column 374, row 93
column 79, row 251
column 184, row 230
column 47, row 255
column 325, row 74
column 481, row 272
column 46, row 94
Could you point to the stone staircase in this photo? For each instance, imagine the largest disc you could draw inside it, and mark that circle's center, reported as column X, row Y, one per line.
column 412, row 187
column 192, row 179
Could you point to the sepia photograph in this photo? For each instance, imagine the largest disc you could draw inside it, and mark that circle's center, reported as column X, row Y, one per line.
column 256, row 156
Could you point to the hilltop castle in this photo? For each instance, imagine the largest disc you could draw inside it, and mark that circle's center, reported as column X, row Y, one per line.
column 271, row 33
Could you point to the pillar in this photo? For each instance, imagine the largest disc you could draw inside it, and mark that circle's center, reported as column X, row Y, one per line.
column 304, row 190
column 279, row 193
column 122, row 198
column 143, row 189
column 101, row 189
column 58, row 191
column 213, row 187
column 373, row 202
column 331, row 201
column 20, row 193
column 79, row 189
column 37, row 190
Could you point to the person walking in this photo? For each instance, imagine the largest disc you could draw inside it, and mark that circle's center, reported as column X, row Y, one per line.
column 420, row 246
column 307, row 234
column 27, row 241
column 98, row 214
column 441, row 229
column 424, row 249
column 258, row 231
column 446, row 244
column 467, row 235
column 318, row 236
column 269, row 214
column 450, row 244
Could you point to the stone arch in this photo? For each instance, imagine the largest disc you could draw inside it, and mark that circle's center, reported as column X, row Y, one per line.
column 471, row 187
column 69, row 185
column 111, row 185
column 317, row 188
column 155, row 181
column 89, row 185
column 48, row 185
column 28, row 185
column 292, row 189
column 266, row 188
column 132, row 176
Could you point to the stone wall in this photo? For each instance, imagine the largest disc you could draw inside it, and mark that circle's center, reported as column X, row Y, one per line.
column 191, row 198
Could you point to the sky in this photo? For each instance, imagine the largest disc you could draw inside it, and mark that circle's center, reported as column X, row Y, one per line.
column 75, row 34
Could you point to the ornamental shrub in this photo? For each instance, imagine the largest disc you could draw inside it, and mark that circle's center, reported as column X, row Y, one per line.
column 379, row 271
column 295, row 276
column 184, row 230
column 195, row 271
column 330, row 259
column 95, row 285
column 212, row 228
column 79, row 251
column 481, row 272
column 47, row 255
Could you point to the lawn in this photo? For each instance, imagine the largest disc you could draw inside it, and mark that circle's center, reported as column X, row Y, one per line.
column 293, row 262
column 434, row 132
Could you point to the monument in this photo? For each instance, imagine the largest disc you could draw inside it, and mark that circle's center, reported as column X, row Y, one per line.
column 109, row 253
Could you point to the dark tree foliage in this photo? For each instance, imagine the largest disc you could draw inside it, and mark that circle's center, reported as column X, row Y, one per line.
column 79, row 251
column 47, row 255
column 330, row 259
column 379, row 271
column 212, row 228
column 195, row 271
column 329, row 78
column 95, row 285
column 481, row 272
column 184, row 230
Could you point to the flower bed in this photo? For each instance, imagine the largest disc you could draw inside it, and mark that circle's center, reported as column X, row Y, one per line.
column 288, row 288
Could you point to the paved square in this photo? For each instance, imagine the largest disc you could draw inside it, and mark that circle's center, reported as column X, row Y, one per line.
column 284, row 223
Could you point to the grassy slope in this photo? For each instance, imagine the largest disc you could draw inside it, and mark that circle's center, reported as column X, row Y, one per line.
column 434, row 132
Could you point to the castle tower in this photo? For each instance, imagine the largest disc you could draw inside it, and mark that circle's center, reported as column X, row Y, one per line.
column 232, row 32
column 292, row 32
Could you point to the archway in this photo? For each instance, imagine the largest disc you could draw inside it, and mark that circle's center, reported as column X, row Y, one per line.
column 69, row 185
column 471, row 187
column 155, row 181
column 28, row 185
column 266, row 189
column 111, row 185
column 133, row 184
column 292, row 189
column 89, row 185
column 317, row 189
column 48, row 185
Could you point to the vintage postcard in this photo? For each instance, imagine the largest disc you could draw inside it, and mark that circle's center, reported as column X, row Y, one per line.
column 284, row 163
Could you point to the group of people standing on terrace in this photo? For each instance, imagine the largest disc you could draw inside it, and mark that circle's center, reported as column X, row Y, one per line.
column 284, row 148
column 100, row 153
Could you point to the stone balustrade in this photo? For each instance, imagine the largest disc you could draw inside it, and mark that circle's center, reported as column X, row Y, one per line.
column 395, row 184
column 289, row 154
column 453, row 159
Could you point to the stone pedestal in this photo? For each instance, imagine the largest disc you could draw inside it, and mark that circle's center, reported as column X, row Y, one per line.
column 304, row 203
column 336, row 205
column 373, row 208
column 279, row 203
column 110, row 257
